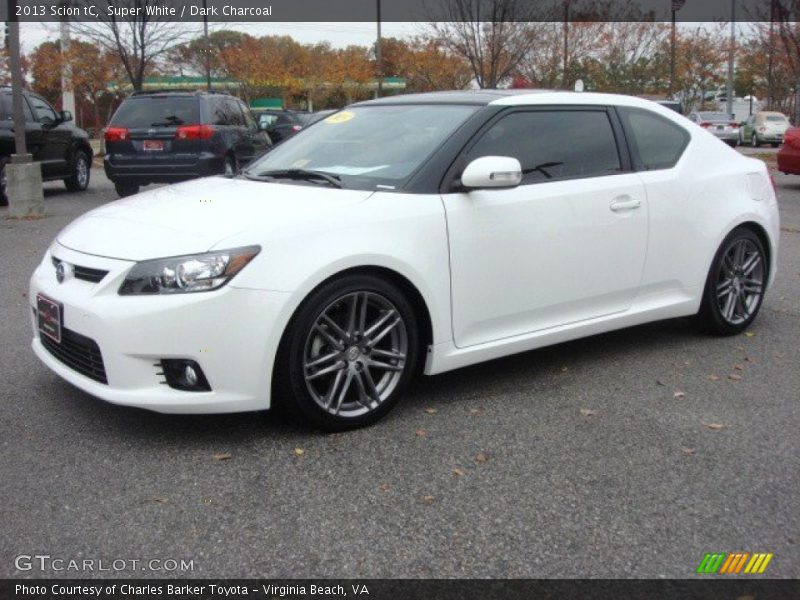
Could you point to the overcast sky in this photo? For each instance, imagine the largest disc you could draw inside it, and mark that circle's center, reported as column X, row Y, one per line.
column 338, row 34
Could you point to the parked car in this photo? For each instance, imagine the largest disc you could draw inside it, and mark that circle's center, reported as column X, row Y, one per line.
column 280, row 124
column 421, row 232
column 789, row 154
column 62, row 149
column 722, row 125
column 764, row 128
column 171, row 136
column 312, row 117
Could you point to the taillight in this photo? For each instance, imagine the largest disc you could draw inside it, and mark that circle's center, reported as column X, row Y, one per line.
column 734, row 125
column 194, row 132
column 296, row 128
column 116, row 134
column 705, row 125
column 792, row 138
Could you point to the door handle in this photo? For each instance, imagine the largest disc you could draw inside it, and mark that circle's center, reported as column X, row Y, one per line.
column 624, row 204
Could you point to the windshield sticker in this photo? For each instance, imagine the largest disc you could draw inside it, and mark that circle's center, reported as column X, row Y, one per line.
column 340, row 117
column 345, row 170
column 300, row 163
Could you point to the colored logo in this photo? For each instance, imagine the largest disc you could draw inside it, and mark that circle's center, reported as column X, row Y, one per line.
column 734, row 563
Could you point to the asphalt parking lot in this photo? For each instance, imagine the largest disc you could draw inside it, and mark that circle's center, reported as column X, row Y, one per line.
column 630, row 454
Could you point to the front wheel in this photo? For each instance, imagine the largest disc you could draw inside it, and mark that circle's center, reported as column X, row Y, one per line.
column 81, row 171
column 735, row 286
column 754, row 141
column 126, row 189
column 348, row 353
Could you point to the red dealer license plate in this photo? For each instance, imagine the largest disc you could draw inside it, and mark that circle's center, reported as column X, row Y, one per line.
column 49, row 317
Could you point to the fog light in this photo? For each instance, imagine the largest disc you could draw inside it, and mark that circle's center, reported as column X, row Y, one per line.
column 184, row 374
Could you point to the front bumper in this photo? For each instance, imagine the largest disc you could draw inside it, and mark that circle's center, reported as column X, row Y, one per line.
column 232, row 333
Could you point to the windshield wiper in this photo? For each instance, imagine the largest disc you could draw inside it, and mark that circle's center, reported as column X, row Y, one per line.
column 307, row 174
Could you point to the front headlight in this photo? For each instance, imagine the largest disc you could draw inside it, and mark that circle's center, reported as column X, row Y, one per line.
column 182, row 274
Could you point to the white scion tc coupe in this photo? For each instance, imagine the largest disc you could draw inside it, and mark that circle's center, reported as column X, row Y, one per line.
column 424, row 232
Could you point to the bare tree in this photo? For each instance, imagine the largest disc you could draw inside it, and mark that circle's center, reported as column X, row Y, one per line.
column 492, row 35
column 139, row 43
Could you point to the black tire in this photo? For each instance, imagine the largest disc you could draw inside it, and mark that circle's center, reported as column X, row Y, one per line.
column 81, row 172
column 711, row 317
column 229, row 166
column 3, row 197
column 775, row 145
column 754, row 141
column 126, row 189
column 296, row 395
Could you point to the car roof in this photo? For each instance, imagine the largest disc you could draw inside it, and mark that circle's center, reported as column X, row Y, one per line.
column 770, row 113
column 518, row 97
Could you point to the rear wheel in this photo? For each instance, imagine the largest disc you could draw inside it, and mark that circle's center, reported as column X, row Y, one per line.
column 81, row 171
column 348, row 353
column 229, row 169
column 735, row 285
column 3, row 197
column 126, row 189
column 754, row 141
column 775, row 144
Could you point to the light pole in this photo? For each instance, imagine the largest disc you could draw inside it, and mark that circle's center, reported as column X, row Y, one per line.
column 67, row 92
column 378, row 52
column 23, row 176
column 207, row 49
column 731, row 59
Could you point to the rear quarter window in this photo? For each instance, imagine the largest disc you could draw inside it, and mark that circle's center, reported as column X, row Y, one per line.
column 656, row 142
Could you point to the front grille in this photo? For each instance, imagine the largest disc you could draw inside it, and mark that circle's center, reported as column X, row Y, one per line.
column 85, row 273
column 79, row 353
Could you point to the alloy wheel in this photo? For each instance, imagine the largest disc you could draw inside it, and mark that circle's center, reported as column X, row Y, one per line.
column 82, row 171
column 355, row 354
column 740, row 281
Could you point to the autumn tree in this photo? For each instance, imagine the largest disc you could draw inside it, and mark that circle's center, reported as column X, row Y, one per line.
column 493, row 36
column 700, row 67
column 138, row 44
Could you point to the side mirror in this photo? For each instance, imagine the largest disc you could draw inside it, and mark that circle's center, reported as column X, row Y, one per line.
column 492, row 172
column 66, row 116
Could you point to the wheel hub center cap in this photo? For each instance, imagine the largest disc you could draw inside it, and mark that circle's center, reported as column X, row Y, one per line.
column 353, row 353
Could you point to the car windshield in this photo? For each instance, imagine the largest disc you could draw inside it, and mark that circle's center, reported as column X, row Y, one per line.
column 157, row 111
column 367, row 146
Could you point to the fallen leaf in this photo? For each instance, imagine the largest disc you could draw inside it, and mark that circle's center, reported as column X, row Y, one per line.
column 679, row 394
column 481, row 457
column 588, row 412
column 686, row 450
column 750, row 334
column 458, row 472
column 748, row 359
column 475, row 411
column 739, row 367
column 715, row 426
column 431, row 411
column 299, row 452
column 428, row 498
column 421, row 432
column 659, row 382
column 384, row 487
column 734, row 376
column 161, row 499
column 564, row 369
column 713, row 377
column 223, row 456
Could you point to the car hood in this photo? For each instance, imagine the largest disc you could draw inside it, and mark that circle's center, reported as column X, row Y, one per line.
column 194, row 216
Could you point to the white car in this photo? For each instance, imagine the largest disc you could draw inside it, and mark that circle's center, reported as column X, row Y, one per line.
column 415, row 232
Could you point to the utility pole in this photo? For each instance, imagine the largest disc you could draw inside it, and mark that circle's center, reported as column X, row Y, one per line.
column 67, row 92
column 379, row 53
column 207, row 48
column 672, row 41
column 731, row 58
column 771, row 54
column 23, row 176
column 565, row 76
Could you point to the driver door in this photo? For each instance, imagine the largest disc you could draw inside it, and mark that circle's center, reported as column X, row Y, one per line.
column 566, row 245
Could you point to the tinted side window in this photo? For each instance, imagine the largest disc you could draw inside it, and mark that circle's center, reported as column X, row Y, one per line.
column 235, row 116
column 218, row 113
column 658, row 142
column 552, row 144
column 248, row 116
column 43, row 111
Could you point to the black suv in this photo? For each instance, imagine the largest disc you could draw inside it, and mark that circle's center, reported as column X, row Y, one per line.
column 52, row 138
column 170, row 136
